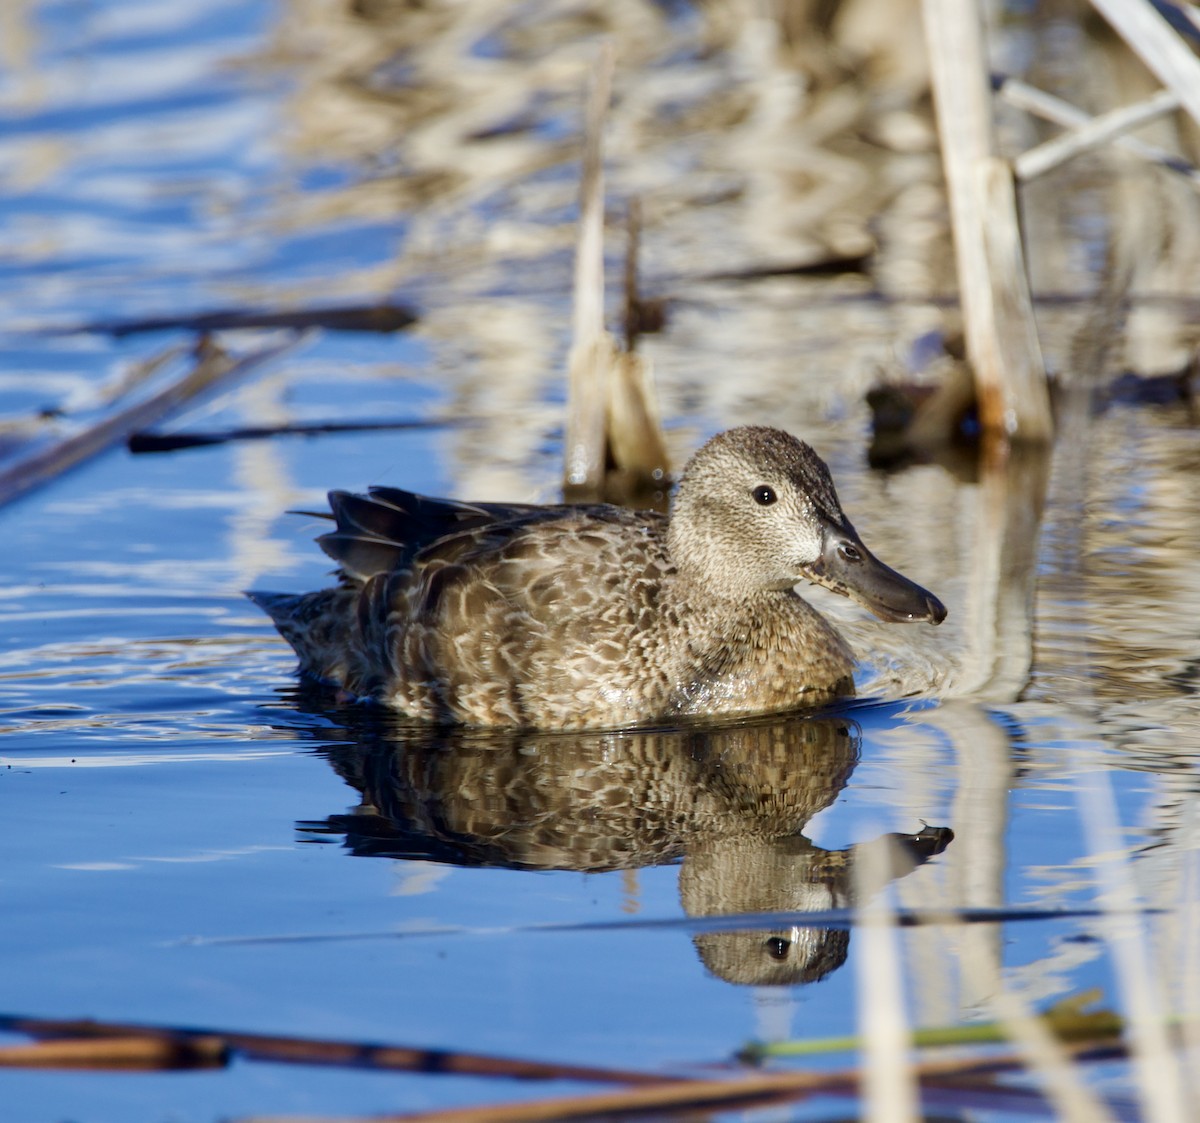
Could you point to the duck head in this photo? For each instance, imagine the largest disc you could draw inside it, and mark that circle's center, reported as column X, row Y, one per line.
column 756, row 510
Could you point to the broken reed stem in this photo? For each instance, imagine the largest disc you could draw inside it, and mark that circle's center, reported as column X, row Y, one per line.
column 1015, row 373
column 954, row 39
column 998, row 324
column 587, row 389
column 589, row 256
column 612, row 419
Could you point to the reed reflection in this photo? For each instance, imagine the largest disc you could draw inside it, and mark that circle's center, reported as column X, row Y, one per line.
column 728, row 803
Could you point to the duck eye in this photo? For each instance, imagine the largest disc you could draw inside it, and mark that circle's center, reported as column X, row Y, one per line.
column 850, row 553
column 763, row 495
column 777, row 948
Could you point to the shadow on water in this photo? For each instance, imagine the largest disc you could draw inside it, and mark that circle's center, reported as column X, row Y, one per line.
column 729, row 803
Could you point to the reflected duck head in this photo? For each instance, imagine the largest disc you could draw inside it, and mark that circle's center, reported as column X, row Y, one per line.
column 790, row 875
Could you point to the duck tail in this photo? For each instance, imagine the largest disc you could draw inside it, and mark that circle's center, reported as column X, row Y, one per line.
column 278, row 606
column 317, row 625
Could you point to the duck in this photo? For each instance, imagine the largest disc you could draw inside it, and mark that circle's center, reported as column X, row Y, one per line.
column 592, row 616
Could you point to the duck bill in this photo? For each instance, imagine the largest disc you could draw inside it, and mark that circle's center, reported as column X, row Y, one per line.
column 847, row 567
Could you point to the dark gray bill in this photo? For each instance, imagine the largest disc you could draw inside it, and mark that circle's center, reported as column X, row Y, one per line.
column 846, row 566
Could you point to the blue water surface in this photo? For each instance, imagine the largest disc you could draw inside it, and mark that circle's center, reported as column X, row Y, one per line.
column 176, row 818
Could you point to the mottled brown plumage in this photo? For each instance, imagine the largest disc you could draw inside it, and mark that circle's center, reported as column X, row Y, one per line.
column 595, row 616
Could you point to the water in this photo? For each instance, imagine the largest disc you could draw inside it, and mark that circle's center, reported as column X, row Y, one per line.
column 190, row 840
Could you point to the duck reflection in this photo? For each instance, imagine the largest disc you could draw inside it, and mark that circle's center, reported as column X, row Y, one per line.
column 729, row 803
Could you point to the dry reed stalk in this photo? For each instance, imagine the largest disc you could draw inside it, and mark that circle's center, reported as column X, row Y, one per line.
column 993, row 287
column 1020, row 397
column 22, row 435
column 611, row 413
column 955, row 43
column 136, row 374
column 635, row 434
column 889, row 1087
column 1023, row 96
column 592, row 352
column 1155, row 42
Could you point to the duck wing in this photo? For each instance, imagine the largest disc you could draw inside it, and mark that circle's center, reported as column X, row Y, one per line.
column 384, row 530
column 530, row 621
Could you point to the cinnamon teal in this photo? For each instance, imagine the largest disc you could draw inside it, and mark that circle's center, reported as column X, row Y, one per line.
column 592, row 616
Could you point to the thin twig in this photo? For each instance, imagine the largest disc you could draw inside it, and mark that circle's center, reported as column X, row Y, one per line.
column 1086, row 137
column 172, row 442
column 1029, row 98
column 45, row 464
column 382, row 318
